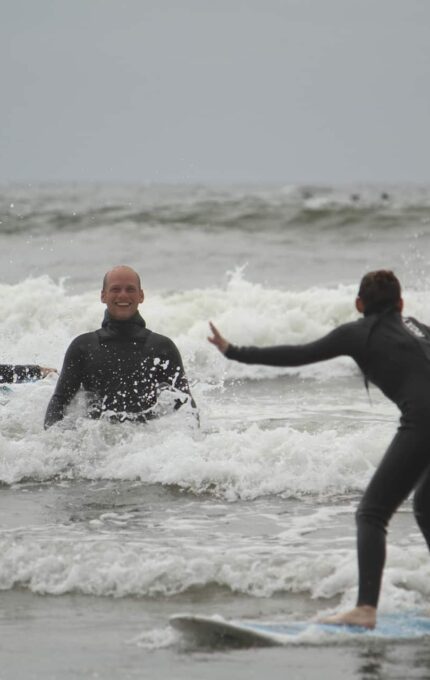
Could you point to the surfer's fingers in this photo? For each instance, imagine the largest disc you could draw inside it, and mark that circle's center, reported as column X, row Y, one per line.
column 217, row 339
column 214, row 330
column 216, row 335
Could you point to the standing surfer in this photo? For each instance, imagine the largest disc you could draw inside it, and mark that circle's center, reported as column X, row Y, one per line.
column 394, row 354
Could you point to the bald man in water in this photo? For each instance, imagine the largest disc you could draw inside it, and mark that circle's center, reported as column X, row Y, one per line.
column 122, row 367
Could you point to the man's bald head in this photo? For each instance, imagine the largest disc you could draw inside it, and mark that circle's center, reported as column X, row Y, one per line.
column 118, row 269
column 122, row 292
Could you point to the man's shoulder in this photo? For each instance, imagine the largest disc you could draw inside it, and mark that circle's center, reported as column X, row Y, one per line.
column 161, row 342
column 83, row 340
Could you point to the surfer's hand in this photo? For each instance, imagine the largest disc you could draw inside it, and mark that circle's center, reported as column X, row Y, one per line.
column 44, row 371
column 216, row 339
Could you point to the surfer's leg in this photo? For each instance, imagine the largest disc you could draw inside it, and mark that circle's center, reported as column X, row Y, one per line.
column 402, row 465
column 422, row 504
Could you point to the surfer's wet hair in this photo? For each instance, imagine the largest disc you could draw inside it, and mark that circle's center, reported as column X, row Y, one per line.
column 379, row 291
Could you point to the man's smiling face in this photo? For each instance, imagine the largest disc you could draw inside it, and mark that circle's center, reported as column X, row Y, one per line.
column 122, row 293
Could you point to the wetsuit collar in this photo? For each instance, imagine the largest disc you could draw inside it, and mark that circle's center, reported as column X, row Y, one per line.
column 370, row 311
column 131, row 328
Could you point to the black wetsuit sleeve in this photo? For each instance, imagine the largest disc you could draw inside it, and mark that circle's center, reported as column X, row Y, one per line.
column 330, row 346
column 19, row 373
column 173, row 375
column 67, row 386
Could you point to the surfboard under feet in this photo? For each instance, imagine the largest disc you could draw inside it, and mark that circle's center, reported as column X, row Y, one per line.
column 216, row 631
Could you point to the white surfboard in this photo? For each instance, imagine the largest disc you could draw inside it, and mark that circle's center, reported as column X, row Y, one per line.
column 216, row 631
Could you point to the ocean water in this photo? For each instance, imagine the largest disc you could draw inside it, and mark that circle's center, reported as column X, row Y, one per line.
column 107, row 530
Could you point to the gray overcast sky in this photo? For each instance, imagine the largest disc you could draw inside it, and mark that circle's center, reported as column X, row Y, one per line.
column 215, row 90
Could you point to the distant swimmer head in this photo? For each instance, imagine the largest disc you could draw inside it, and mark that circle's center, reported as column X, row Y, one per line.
column 379, row 291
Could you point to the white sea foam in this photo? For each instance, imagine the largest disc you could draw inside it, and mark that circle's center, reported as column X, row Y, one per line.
column 234, row 463
column 278, row 437
column 254, row 513
column 157, row 638
column 57, row 560
column 40, row 319
column 231, row 456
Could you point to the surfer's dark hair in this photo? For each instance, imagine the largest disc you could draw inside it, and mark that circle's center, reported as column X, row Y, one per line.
column 379, row 291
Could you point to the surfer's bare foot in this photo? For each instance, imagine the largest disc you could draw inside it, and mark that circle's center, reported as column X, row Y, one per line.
column 363, row 615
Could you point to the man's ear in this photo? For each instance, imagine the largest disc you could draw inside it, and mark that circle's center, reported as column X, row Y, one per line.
column 102, row 296
column 142, row 297
column 359, row 305
column 400, row 305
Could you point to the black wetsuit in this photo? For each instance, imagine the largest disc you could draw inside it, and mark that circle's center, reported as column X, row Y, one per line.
column 394, row 354
column 122, row 367
column 19, row 373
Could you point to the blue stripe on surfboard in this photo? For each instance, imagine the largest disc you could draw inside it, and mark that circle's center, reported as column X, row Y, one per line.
column 390, row 626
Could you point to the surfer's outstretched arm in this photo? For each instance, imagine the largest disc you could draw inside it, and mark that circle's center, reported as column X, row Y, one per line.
column 340, row 341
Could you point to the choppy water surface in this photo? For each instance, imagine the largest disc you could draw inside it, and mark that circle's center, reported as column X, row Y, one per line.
column 107, row 530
